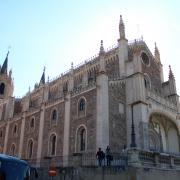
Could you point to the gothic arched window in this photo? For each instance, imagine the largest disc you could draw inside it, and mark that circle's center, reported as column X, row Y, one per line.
column 82, row 107
column 2, row 87
column 30, row 149
column 15, row 129
column 52, row 145
column 13, row 149
column 54, row 114
column 81, row 139
column 32, row 123
column 1, row 134
column 147, row 81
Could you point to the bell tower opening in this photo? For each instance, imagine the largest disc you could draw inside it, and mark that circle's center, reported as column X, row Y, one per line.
column 2, row 88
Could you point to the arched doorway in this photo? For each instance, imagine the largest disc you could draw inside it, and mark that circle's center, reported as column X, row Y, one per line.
column 163, row 134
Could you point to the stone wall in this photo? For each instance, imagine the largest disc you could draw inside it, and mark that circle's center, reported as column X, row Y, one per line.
column 88, row 120
column 112, row 66
column 117, row 116
column 31, row 133
column 55, row 127
column 14, row 138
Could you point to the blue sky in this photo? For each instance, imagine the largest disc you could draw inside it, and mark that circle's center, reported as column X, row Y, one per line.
column 54, row 33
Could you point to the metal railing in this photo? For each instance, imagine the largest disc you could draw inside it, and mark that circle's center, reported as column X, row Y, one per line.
column 130, row 157
column 78, row 159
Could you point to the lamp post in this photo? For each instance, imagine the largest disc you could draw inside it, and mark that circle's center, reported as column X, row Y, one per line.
column 133, row 135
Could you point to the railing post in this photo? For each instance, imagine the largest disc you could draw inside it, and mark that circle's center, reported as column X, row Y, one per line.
column 133, row 157
column 156, row 157
column 172, row 161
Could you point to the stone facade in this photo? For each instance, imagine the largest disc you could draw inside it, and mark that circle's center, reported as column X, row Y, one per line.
column 118, row 98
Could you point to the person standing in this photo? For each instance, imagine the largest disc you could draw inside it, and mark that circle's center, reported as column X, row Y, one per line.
column 108, row 156
column 100, row 156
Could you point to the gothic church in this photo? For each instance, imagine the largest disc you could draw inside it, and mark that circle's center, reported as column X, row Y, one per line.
column 118, row 98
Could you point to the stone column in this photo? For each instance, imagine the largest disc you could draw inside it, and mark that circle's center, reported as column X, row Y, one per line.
column 66, row 130
column 102, row 127
column 144, row 133
column 22, row 134
column 123, row 56
column 40, row 136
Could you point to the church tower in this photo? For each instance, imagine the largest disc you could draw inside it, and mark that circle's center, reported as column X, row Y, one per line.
column 6, row 91
column 6, row 83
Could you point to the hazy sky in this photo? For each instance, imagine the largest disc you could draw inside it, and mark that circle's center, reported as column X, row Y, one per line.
column 54, row 33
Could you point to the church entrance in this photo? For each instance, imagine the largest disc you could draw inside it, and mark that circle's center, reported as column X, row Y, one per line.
column 163, row 134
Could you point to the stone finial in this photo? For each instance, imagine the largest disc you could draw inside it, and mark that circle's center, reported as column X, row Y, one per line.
column 101, row 48
column 42, row 80
column 121, row 28
column 171, row 75
column 10, row 73
column 72, row 67
column 157, row 54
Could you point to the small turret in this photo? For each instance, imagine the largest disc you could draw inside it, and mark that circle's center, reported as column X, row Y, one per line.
column 158, row 61
column 121, row 28
column 42, row 80
column 102, row 61
column 157, row 55
column 171, row 75
column 101, row 48
column 172, row 89
column 122, row 48
column 5, row 65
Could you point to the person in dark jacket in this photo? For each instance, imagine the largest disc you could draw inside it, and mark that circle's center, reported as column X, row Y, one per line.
column 100, row 156
column 108, row 156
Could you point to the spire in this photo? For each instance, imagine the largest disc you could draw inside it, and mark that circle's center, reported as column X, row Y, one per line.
column 171, row 75
column 157, row 54
column 121, row 28
column 101, row 48
column 42, row 81
column 5, row 65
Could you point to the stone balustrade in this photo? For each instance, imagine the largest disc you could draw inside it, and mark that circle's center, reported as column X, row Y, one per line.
column 153, row 159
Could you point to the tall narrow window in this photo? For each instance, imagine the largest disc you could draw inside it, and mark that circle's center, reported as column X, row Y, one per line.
column 81, row 139
column 32, row 123
column 52, row 145
column 2, row 87
column 54, row 114
column 147, row 81
column 82, row 107
column 13, row 148
column 30, row 149
column 1, row 134
column 15, row 129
